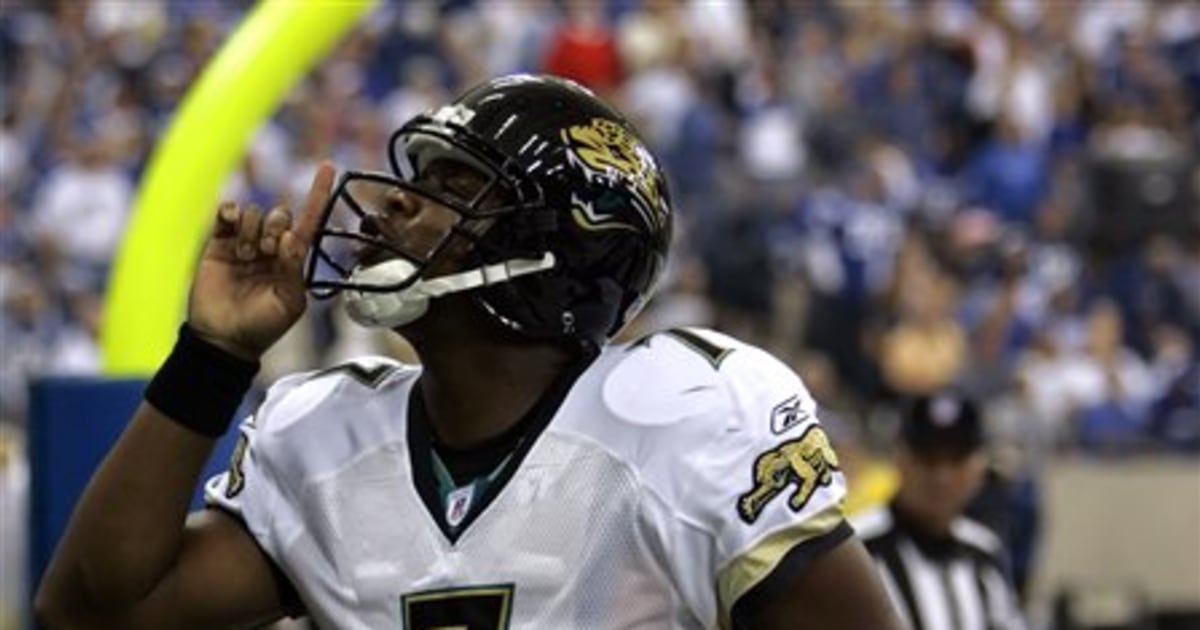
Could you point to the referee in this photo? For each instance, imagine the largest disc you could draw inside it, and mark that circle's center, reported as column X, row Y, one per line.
column 942, row 570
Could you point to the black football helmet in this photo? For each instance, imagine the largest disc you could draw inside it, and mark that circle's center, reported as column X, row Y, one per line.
column 579, row 208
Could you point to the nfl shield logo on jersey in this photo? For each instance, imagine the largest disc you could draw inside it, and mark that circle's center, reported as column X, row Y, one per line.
column 458, row 503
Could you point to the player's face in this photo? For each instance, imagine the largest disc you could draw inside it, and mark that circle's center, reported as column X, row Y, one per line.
column 418, row 222
column 938, row 485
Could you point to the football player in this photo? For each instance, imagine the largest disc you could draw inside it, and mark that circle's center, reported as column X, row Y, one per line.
column 528, row 474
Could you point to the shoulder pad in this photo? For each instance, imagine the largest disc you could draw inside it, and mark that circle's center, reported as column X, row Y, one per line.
column 683, row 373
column 660, row 381
column 295, row 395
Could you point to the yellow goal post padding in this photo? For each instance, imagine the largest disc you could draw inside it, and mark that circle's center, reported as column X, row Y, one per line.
column 243, row 84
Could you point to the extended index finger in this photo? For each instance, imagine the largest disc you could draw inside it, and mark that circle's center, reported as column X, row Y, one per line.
column 314, row 203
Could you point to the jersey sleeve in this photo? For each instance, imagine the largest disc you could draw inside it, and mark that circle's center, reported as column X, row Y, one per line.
column 249, row 489
column 756, row 494
column 300, row 430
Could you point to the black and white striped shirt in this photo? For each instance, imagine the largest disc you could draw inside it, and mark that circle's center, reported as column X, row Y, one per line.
column 960, row 582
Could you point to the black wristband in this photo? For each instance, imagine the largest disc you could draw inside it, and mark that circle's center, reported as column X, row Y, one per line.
column 200, row 385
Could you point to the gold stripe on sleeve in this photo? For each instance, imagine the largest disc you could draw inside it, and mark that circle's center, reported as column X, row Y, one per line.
column 752, row 566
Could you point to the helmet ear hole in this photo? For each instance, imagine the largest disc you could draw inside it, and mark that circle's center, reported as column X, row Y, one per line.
column 606, row 313
column 590, row 311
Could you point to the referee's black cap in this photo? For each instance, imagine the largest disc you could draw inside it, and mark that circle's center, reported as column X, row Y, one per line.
column 946, row 421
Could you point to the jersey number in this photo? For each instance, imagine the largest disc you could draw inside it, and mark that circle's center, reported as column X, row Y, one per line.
column 711, row 352
column 469, row 608
column 369, row 377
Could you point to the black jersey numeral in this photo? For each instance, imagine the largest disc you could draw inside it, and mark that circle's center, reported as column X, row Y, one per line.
column 467, row 608
column 237, row 475
column 711, row 352
column 368, row 377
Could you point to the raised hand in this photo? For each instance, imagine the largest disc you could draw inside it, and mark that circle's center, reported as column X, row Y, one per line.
column 249, row 285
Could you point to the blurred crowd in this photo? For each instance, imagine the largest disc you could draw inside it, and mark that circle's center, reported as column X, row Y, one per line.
column 893, row 195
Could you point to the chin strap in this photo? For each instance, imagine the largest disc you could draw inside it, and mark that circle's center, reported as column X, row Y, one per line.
column 483, row 276
column 406, row 305
column 397, row 270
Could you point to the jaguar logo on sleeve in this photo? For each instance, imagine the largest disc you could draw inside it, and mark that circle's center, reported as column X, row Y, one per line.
column 807, row 462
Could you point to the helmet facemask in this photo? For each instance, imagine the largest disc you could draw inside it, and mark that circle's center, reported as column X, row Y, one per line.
column 394, row 242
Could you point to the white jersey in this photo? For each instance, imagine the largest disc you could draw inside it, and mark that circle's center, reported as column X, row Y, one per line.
column 681, row 482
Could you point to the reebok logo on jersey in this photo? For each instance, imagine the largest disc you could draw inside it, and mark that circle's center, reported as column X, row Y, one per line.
column 807, row 461
column 787, row 414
